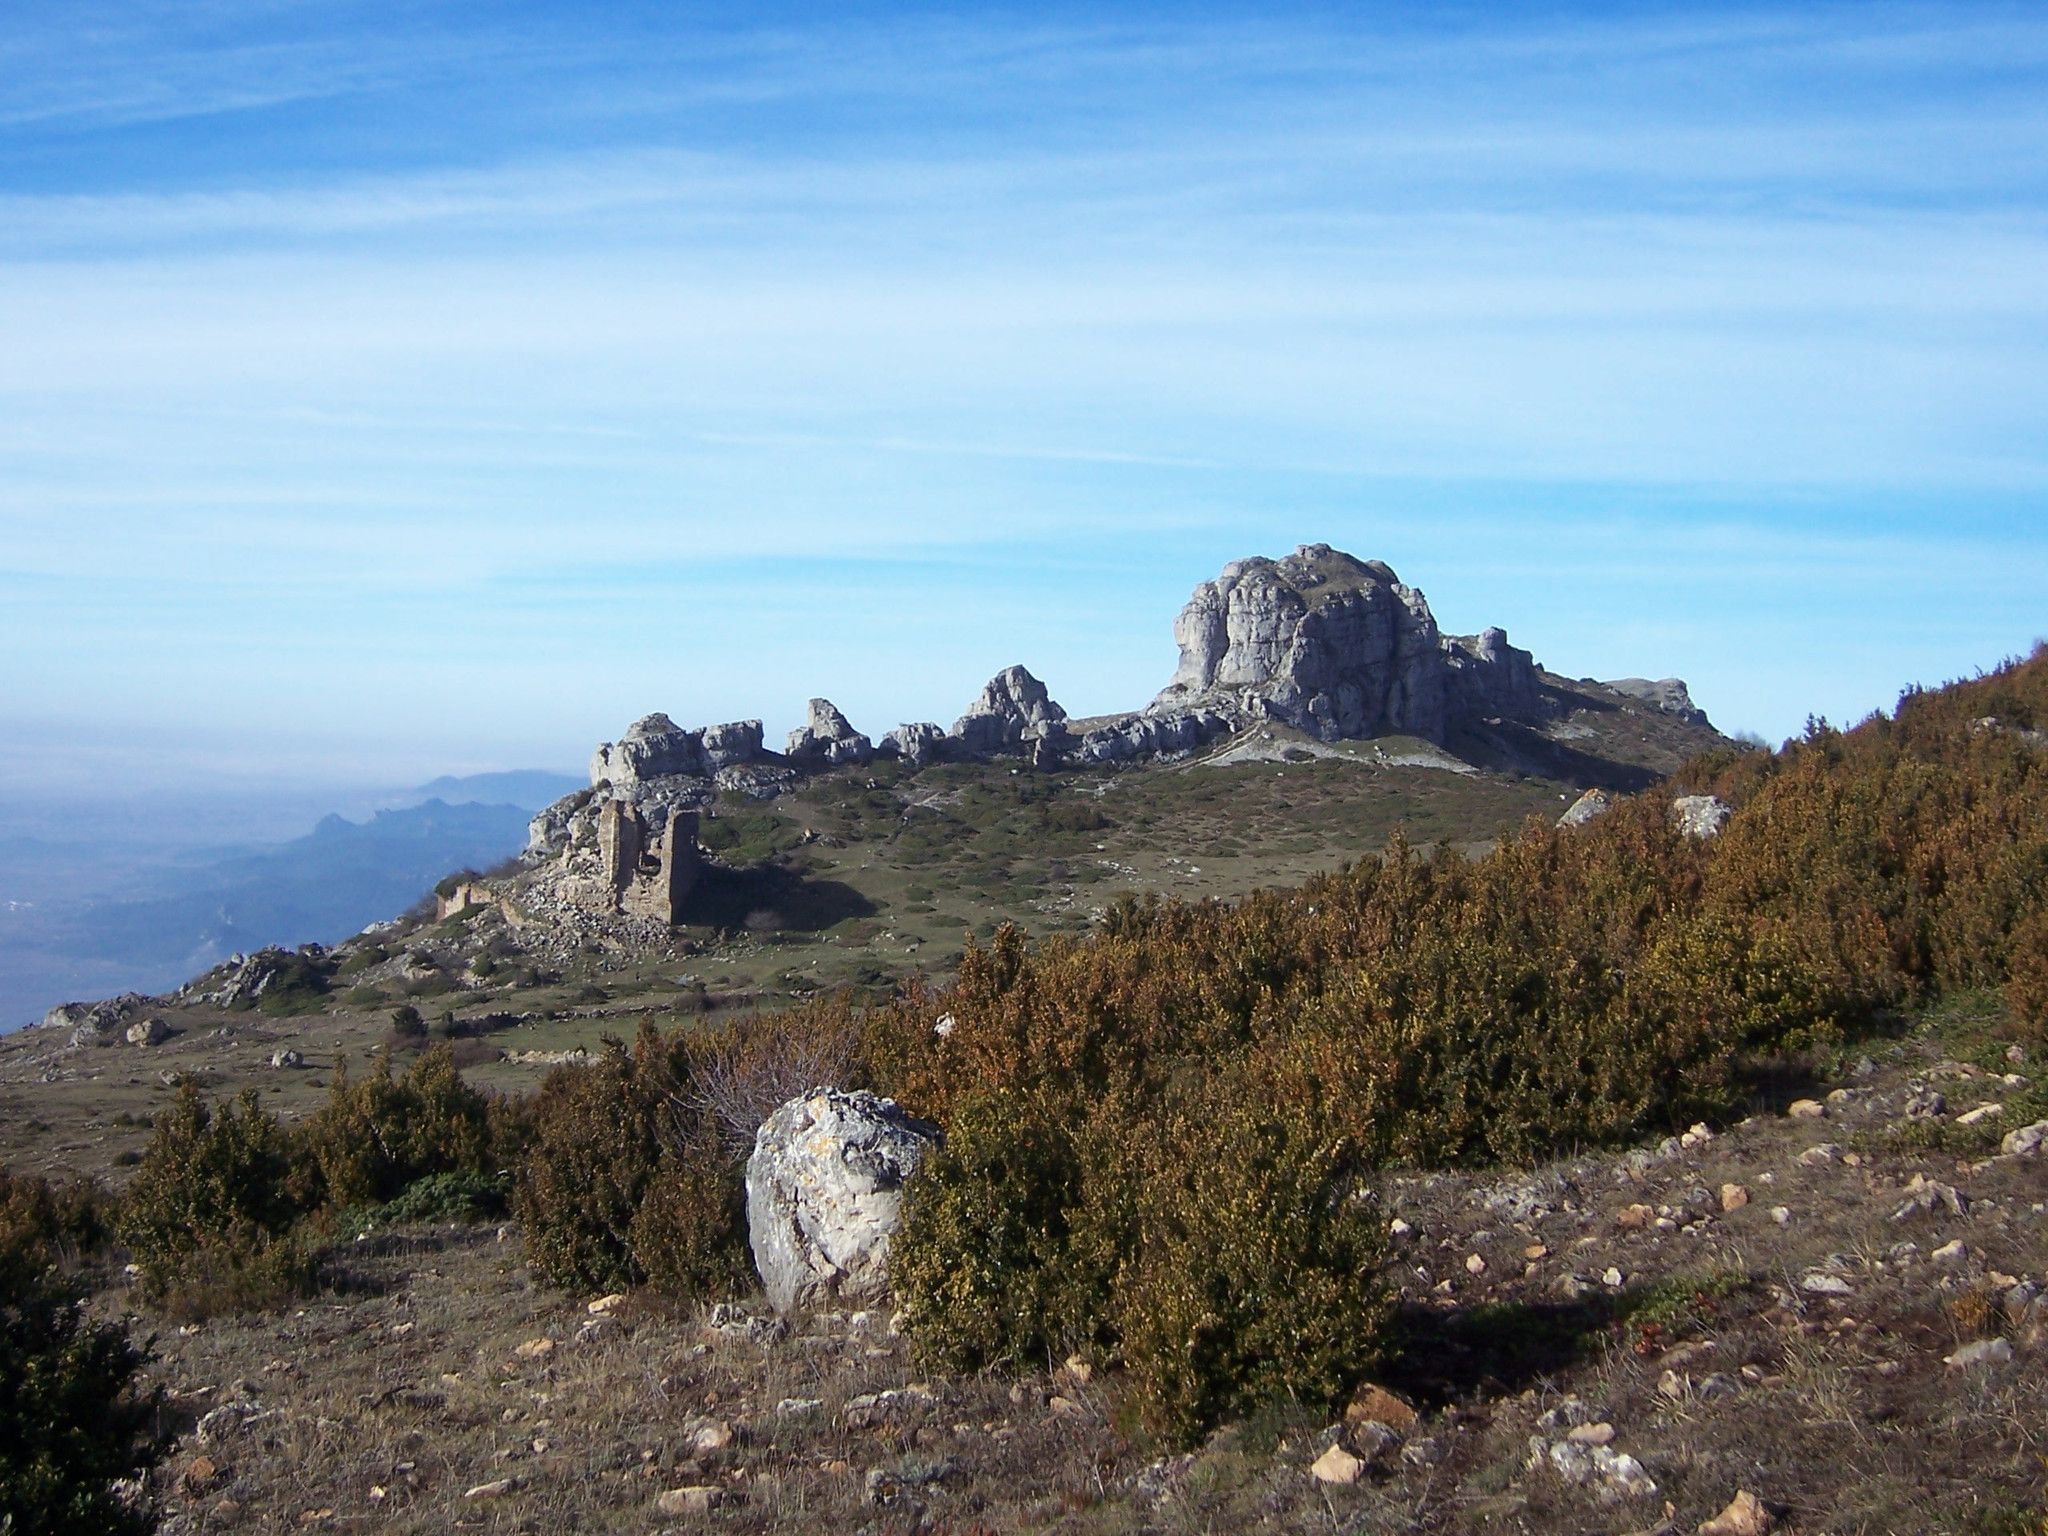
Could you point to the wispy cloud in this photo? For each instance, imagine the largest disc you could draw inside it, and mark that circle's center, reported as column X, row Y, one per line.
column 428, row 360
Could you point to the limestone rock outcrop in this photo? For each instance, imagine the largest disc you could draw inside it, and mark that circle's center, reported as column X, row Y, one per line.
column 828, row 737
column 1337, row 647
column 1669, row 694
column 915, row 741
column 1012, row 710
column 825, row 1195
column 655, row 747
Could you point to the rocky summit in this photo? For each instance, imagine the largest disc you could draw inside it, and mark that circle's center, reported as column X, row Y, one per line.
column 1319, row 642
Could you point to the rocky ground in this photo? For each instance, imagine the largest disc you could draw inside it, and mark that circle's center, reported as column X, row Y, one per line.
column 1831, row 1308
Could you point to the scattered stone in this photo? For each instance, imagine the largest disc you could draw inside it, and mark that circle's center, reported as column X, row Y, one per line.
column 1337, row 1465
column 825, row 1194
column 2026, row 1141
column 1746, row 1515
column 1719, row 1384
column 1080, row 1369
column 1951, row 1252
column 1420, row 1453
column 1400, row 1228
column 715, row 1436
column 1926, row 1103
column 1820, row 1283
column 1535, row 1251
column 495, row 1489
column 1733, row 1197
column 694, row 1499
column 1925, row 1195
column 1807, row 1109
column 1592, row 1434
column 200, row 1471
column 1634, row 1217
column 1371, row 1439
column 1671, row 1385
column 796, row 1407
column 1820, row 1156
column 605, row 1305
column 534, row 1349
column 150, row 1031
column 1980, row 1114
column 1982, row 1352
column 1781, row 1214
column 286, row 1060
column 1616, row 1473
column 1612, row 1278
column 1698, row 1135
column 1474, row 1264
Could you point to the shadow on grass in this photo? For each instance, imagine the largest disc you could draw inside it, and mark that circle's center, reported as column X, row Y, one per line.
column 770, row 898
column 1444, row 1353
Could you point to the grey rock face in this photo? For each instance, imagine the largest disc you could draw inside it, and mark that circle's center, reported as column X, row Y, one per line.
column 917, row 741
column 1163, row 734
column 653, row 746
column 1700, row 816
column 828, row 737
column 825, row 1194
column 1012, row 709
column 1330, row 645
column 1593, row 803
column 729, row 745
column 1669, row 694
column 1485, row 676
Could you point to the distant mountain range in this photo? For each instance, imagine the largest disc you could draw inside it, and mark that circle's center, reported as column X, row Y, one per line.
column 182, row 910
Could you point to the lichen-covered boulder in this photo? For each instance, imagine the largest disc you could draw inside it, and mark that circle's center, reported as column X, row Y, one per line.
column 1700, row 816
column 825, row 1194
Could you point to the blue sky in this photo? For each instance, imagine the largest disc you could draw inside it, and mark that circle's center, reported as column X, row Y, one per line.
column 390, row 390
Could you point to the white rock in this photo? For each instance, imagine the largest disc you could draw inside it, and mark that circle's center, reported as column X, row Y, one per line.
column 1819, row 1283
column 2026, row 1141
column 1700, row 816
column 1982, row 1352
column 825, row 1194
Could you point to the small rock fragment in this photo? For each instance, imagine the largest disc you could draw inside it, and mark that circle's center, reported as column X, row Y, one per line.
column 533, row 1349
column 1980, row 1114
column 1952, row 1252
column 694, row 1499
column 1746, row 1515
column 1592, row 1434
column 715, row 1436
column 491, row 1490
column 1634, row 1217
column 1337, row 1465
column 1474, row 1264
column 1820, row 1156
column 606, row 1304
column 1733, row 1197
column 1613, row 1277
column 1818, row 1283
column 1534, row 1251
column 1982, row 1352
column 1807, row 1109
